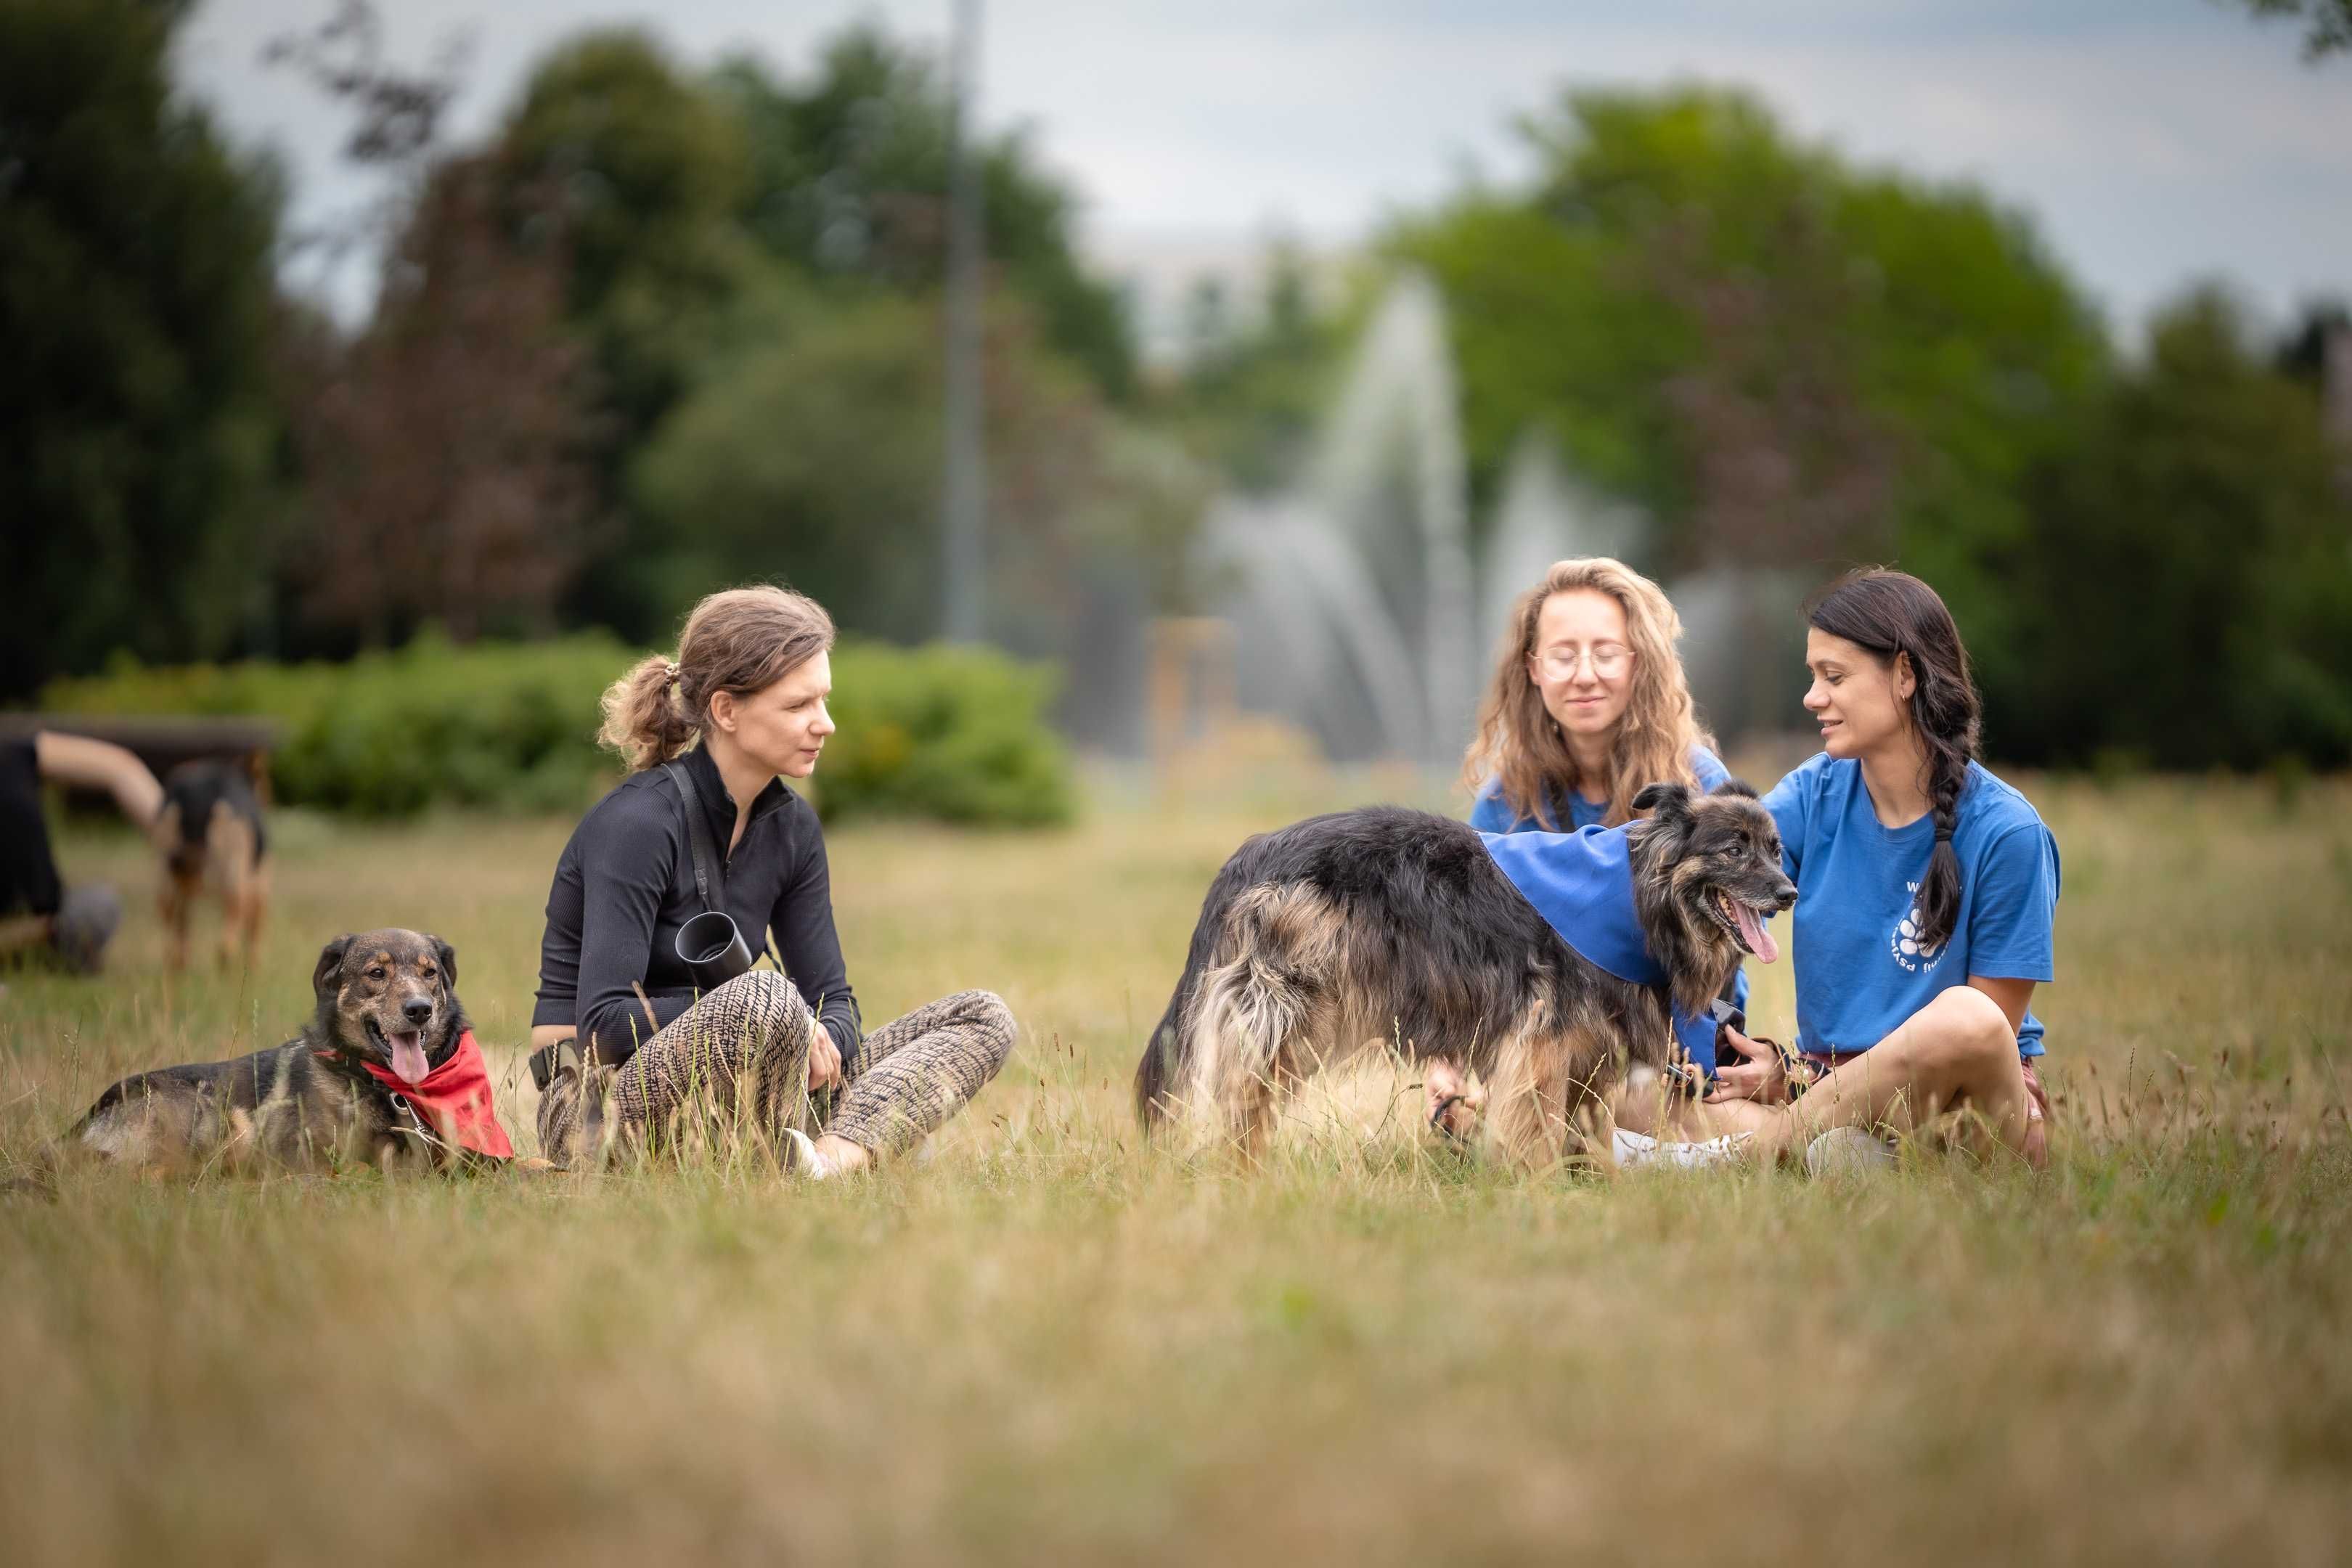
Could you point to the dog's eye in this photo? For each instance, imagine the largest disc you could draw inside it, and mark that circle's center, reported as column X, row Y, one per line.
column 376, row 974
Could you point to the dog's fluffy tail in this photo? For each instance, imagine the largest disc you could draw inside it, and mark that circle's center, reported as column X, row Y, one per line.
column 1224, row 931
column 1168, row 1053
column 1264, row 956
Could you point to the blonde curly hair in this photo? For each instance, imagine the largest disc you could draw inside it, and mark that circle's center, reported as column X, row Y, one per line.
column 1519, row 744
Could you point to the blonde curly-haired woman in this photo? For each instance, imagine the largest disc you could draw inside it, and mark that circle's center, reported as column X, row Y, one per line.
column 1587, row 706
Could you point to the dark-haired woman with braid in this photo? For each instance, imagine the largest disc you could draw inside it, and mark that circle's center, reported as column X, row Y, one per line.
column 1926, row 892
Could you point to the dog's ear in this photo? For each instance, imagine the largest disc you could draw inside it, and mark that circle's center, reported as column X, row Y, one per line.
column 1739, row 787
column 330, row 962
column 1666, row 802
column 447, row 958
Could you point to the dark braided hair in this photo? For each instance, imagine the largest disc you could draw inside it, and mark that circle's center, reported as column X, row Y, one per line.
column 1891, row 613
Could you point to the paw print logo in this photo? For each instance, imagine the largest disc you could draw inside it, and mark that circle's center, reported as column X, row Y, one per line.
column 1909, row 949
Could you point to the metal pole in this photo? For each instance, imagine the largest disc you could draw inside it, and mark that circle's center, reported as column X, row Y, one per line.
column 964, row 518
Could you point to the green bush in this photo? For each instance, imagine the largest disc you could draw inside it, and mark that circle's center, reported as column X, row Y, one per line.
column 957, row 734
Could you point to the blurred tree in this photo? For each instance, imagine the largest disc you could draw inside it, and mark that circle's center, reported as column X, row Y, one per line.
column 2186, row 596
column 395, row 116
column 2328, row 23
column 1249, row 390
column 136, row 427
column 447, row 447
column 2303, row 350
column 849, row 173
column 725, row 231
column 810, row 452
column 1782, row 358
column 451, row 435
column 645, row 171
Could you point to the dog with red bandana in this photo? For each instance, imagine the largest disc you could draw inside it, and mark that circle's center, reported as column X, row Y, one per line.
column 386, row 1072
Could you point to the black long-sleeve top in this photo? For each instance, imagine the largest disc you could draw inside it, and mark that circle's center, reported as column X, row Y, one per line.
column 626, row 884
column 28, row 877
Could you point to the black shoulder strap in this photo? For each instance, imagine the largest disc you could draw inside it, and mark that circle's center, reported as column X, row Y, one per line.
column 710, row 870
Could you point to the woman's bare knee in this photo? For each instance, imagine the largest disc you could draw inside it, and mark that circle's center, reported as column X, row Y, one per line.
column 1964, row 1028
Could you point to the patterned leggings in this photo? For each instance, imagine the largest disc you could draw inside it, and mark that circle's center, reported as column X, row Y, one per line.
column 744, row 1047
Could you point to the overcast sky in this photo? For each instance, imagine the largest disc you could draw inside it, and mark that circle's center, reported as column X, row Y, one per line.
column 2154, row 141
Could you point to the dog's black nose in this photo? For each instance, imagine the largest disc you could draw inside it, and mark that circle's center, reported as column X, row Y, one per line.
column 418, row 1009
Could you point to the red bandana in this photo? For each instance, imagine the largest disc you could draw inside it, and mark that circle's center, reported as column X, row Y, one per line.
column 453, row 1101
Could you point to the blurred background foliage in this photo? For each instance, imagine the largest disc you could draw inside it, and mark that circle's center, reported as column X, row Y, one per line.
column 666, row 328
column 954, row 733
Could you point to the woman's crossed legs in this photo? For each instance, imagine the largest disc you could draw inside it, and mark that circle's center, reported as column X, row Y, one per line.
column 1956, row 1054
column 735, row 1065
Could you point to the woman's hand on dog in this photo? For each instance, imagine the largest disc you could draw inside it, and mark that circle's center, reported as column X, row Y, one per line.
column 1761, row 1076
column 825, row 1058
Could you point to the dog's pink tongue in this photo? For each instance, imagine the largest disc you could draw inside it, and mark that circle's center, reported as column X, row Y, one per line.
column 408, row 1058
column 1755, row 933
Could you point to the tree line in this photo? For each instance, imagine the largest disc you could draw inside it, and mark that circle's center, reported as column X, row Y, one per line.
column 669, row 327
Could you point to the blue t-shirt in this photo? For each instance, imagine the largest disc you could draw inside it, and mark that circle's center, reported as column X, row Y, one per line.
column 1570, row 812
column 1861, row 970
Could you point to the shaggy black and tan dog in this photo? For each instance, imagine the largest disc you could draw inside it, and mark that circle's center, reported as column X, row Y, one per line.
column 1386, row 924
column 387, row 1071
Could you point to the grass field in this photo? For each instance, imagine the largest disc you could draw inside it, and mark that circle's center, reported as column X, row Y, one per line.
column 1052, row 1344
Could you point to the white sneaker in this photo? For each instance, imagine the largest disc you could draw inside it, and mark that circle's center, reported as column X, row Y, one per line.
column 1843, row 1150
column 804, row 1161
column 1634, row 1148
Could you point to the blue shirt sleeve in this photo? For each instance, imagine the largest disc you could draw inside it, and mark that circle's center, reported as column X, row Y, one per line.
column 2014, row 905
column 1790, row 804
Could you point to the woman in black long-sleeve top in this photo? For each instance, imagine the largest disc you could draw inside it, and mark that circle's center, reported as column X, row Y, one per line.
column 630, row 1045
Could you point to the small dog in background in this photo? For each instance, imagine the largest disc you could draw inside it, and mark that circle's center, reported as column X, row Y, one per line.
column 211, row 837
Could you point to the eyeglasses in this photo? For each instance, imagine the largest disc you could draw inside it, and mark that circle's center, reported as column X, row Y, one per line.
column 1607, row 660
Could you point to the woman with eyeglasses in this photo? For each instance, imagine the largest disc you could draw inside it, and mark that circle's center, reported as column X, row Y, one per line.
column 1587, row 706
column 633, row 1036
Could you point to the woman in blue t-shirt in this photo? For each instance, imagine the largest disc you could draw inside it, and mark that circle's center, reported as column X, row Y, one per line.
column 1587, row 706
column 1926, row 892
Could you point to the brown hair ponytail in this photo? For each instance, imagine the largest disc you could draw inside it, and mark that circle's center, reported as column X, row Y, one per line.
column 1891, row 613
column 739, row 639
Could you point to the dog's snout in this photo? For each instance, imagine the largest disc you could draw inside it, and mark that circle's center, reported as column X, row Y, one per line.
column 419, row 1010
column 1786, row 896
